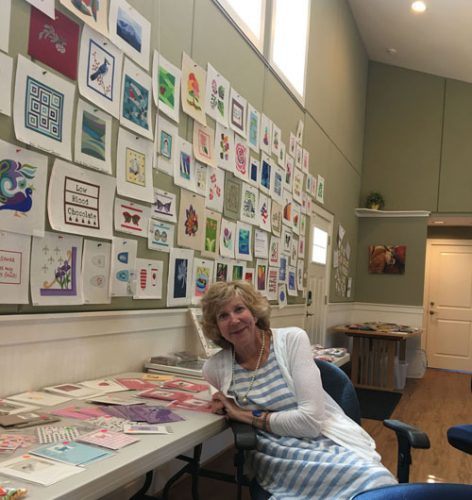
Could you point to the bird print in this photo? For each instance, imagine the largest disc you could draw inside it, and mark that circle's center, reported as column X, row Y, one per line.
column 87, row 7
column 15, row 193
column 19, row 202
column 101, row 70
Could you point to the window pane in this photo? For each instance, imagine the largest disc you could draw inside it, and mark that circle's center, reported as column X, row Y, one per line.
column 320, row 246
column 290, row 40
column 248, row 15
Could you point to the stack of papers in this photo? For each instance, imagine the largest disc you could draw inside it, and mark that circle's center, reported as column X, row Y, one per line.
column 71, row 452
column 107, row 439
column 40, row 398
column 71, row 390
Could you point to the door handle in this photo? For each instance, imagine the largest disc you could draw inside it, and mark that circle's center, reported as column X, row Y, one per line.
column 309, row 314
column 431, row 313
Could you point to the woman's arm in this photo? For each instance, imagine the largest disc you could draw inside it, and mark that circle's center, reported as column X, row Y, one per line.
column 307, row 418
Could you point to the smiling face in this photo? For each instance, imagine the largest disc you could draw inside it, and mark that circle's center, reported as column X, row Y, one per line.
column 236, row 322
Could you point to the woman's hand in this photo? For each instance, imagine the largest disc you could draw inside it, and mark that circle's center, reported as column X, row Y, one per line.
column 230, row 408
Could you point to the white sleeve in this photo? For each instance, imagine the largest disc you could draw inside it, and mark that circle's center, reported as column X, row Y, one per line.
column 307, row 418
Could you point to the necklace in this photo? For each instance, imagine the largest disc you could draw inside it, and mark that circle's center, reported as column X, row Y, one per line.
column 259, row 359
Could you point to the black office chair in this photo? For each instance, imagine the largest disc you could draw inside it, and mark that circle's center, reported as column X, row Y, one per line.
column 338, row 385
column 460, row 436
column 418, row 491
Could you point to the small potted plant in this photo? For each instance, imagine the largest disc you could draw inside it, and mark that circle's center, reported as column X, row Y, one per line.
column 375, row 201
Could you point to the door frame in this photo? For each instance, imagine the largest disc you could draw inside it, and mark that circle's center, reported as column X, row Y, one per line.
column 318, row 211
column 430, row 243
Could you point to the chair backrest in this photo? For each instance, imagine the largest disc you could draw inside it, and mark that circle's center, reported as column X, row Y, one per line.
column 418, row 491
column 339, row 386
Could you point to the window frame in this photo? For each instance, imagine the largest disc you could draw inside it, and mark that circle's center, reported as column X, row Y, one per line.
column 313, row 246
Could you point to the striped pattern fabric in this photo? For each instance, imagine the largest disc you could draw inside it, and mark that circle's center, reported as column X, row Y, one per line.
column 300, row 468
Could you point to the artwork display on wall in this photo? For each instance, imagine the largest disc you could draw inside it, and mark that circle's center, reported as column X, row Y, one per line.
column 237, row 113
column 223, row 270
column 96, row 264
column 191, row 226
column 276, row 140
column 166, row 146
column 134, row 166
column 123, row 264
column 22, row 190
column 277, row 215
column 320, row 189
column 262, row 268
column 43, row 109
column 135, row 107
column 239, row 270
column 131, row 217
column 241, row 158
column 80, row 201
column 224, row 147
column 227, row 238
column 215, row 189
column 55, row 277
column 179, row 286
column 184, row 168
column 164, row 206
column 243, row 248
column 261, row 243
column 249, row 204
column 160, row 235
column 193, row 84
column 130, row 31
column 99, row 72
column 232, row 198
column 253, row 128
column 272, row 283
column 14, row 268
column 254, row 172
column 266, row 134
column 54, row 42
column 201, row 174
column 93, row 132
column 211, row 246
column 387, row 259
column 149, row 275
column 266, row 174
column 166, row 86
column 264, row 212
column 202, row 277
column 94, row 14
column 217, row 96
column 203, row 144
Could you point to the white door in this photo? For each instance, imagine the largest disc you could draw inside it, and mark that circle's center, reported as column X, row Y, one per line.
column 318, row 267
column 448, row 305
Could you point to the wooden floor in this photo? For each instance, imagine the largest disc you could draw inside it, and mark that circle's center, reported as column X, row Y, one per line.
column 434, row 403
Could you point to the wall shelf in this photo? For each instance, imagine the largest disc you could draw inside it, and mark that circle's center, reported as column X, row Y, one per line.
column 369, row 212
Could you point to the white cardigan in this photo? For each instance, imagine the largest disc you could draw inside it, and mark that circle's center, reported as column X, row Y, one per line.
column 317, row 412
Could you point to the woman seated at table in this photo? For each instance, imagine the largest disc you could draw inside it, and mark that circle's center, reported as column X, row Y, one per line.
column 307, row 447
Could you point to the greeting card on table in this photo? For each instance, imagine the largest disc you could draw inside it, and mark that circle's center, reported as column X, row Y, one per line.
column 6, row 76
column 53, row 433
column 166, row 86
column 165, row 395
column 160, row 235
column 136, row 98
column 185, row 385
column 123, row 259
column 55, row 276
column 190, row 227
column 149, row 275
column 134, row 166
column 40, row 398
column 217, row 96
column 96, row 263
column 80, row 201
column 134, row 383
column 93, row 13
column 130, row 31
column 164, row 206
column 179, row 278
column 93, row 132
column 12, row 407
column 107, row 439
column 43, row 109
column 54, row 42
column 203, row 146
column 71, row 390
column 193, row 404
column 253, row 128
column 14, row 268
column 211, row 246
column 166, row 145
column 224, row 147
column 38, row 470
column 71, row 452
column 202, row 278
column 193, row 84
column 131, row 217
column 104, row 385
column 215, row 189
column 99, row 76
column 237, row 113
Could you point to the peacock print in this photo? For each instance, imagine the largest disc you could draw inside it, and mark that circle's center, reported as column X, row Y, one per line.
column 15, row 191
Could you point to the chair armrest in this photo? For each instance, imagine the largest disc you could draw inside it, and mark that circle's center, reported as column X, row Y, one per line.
column 415, row 437
column 244, row 435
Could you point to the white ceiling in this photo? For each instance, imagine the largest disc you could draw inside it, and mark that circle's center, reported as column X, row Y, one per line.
column 439, row 41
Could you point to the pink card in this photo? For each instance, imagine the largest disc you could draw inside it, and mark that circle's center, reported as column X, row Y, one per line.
column 70, row 412
column 54, row 42
column 185, row 385
column 136, row 384
column 165, row 395
column 193, row 404
column 107, row 439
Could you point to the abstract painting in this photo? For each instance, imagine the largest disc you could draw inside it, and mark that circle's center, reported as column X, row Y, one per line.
column 320, row 189
column 277, row 182
column 166, row 86
column 292, row 281
column 14, row 268
column 287, row 208
column 93, row 132
column 55, row 276
column 80, row 201
column 130, row 31
column 243, row 248
column 136, row 100
column 277, row 215
column 217, row 96
column 94, row 13
column 54, row 42
column 193, row 84
column 160, row 235
column 134, row 166
column 253, row 128
column 23, row 177
column 276, row 139
column 99, row 75
column 96, row 262
column 148, row 284
column 237, row 113
column 42, row 109
column 179, row 278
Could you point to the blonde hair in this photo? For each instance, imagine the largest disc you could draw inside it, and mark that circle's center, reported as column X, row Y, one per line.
column 220, row 293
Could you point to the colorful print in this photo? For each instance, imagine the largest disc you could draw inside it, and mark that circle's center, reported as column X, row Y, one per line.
column 93, row 136
column 129, row 30
column 135, row 167
column 167, row 87
column 100, row 71
column 15, row 190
